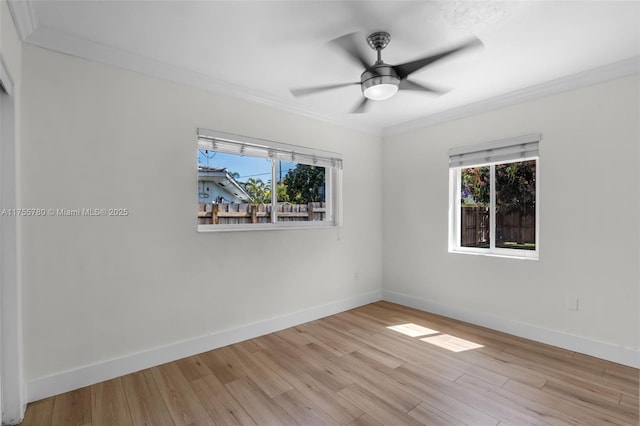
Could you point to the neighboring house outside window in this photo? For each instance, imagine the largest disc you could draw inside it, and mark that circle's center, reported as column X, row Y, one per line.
column 216, row 184
column 494, row 198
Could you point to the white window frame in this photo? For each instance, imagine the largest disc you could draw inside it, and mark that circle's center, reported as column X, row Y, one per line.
column 244, row 145
column 505, row 151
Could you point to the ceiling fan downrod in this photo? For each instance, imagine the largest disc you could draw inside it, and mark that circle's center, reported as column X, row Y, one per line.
column 378, row 41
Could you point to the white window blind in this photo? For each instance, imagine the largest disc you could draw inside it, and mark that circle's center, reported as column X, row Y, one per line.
column 243, row 145
column 500, row 151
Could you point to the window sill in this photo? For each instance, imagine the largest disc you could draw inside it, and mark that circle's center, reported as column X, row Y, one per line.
column 530, row 255
column 265, row 227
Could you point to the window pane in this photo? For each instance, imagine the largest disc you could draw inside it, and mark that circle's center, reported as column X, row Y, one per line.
column 233, row 189
column 516, row 205
column 474, row 207
column 301, row 192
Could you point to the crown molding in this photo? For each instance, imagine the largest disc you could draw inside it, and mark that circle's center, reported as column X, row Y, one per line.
column 602, row 74
column 24, row 17
column 58, row 41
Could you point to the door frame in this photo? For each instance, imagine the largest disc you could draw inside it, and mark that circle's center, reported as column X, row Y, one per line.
column 13, row 389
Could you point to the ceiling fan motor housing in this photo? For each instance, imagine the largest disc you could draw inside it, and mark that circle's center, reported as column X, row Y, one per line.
column 379, row 82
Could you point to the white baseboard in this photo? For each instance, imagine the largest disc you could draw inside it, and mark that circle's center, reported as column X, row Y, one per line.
column 87, row 375
column 603, row 350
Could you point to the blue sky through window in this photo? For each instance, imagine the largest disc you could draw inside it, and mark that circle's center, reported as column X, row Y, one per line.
column 246, row 167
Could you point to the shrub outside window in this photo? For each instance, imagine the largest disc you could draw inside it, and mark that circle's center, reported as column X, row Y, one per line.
column 494, row 198
column 240, row 179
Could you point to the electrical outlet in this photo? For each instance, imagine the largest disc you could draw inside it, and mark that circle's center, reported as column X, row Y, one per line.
column 572, row 303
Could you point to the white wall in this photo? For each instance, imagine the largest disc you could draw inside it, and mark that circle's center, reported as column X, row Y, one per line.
column 96, row 289
column 589, row 228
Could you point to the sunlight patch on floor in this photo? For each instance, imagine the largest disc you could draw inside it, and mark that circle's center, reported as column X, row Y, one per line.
column 412, row 330
column 445, row 341
column 452, row 343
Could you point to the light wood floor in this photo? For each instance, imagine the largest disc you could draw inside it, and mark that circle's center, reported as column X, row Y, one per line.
column 354, row 369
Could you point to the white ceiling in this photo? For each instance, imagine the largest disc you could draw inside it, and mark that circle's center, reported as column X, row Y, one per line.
column 259, row 49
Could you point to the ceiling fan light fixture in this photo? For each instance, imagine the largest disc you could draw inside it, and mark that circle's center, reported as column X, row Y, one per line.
column 381, row 87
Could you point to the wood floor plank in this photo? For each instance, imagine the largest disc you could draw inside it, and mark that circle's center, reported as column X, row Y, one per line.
column 379, row 315
column 483, row 395
column 39, row 413
column 219, row 403
column 225, row 369
column 315, row 333
column 365, row 420
column 354, row 323
column 432, row 416
column 376, row 407
column 371, row 365
column 72, row 408
column 182, row 402
column 490, row 339
column 481, row 372
column 193, row 368
column 320, row 365
column 364, row 345
column 587, row 416
column 340, row 410
column 301, row 358
column 588, row 398
column 407, row 314
column 627, row 381
column 496, row 341
column 600, row 363
column 478, row 401
column 204, row 422
column 302, row 410
column 552, row 370
column 443, row 359
column 267, row 379
column 251, row 345
column 551, row 353
column 145, row 401
column 630, row 403
column 109, row 404
column 260, row 407
column 529, row 406
column 295, row 336
column 318, row 341
column 364, row 374
column 309, row 360
column 585, row 392
column 409, row 352
column 562, row 365
column 505, row 369
column 429, row 388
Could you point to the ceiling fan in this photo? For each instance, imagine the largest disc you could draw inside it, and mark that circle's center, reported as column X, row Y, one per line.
column 381, row 81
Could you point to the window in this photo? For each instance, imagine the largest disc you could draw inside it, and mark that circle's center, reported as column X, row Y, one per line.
column 493, row 205
column 240, row 179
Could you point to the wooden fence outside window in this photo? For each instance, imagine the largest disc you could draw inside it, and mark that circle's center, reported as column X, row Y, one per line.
column 513, row 227
column 235, row 213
